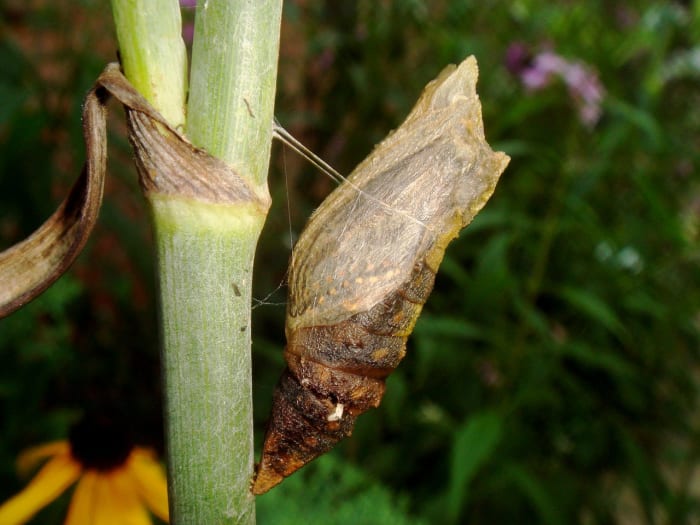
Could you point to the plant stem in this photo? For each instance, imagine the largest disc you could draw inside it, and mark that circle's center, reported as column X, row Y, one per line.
column 153, row 54
column 232, row 83
column 205, row 257
column 205, row 249
column 205, row 263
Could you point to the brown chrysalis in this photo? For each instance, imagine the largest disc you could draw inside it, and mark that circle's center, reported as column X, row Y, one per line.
column 365, row 265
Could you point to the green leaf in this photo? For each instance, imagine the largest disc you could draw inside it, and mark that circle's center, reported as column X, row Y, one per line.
column 538, row 495
column 436, row 338
column 330, row 491
column 474, row 444
column 593, row 307
column 598, row 358
column 638, row 118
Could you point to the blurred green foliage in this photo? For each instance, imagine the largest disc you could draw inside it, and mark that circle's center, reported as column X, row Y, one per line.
column 354, row 497
column 553, row 375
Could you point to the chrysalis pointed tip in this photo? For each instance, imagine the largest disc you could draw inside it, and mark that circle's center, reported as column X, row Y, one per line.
column 264, row 479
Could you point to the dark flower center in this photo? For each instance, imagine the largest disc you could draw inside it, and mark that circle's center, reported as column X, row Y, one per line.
column 100, row 443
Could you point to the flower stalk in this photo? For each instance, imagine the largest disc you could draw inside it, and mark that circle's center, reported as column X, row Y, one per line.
column 153, row 53
column 205, row 245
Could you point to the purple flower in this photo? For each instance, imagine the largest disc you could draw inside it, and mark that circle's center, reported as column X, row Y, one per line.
column 518, row 58
column 535, row 78
column 538, row 72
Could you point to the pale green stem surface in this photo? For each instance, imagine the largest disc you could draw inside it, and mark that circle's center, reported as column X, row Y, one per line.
column 205, row 251
column 205, row 261
column 206, row 267
column 232, row 83
column 153, row 54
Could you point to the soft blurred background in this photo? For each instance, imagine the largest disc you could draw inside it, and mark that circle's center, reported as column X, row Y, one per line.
column 553, row 377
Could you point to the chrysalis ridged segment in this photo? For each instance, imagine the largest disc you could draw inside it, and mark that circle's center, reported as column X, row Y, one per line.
column 334, row 373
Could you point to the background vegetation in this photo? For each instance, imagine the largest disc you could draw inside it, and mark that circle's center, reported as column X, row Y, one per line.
column 553, row 376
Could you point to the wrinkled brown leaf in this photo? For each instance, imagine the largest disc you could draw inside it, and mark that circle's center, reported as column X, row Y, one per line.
column 31, row 266
column 167, row 163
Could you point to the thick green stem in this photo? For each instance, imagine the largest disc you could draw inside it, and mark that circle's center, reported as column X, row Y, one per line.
column 205, row 249
column 205, row 261
column 205, row 257
column 153, row 54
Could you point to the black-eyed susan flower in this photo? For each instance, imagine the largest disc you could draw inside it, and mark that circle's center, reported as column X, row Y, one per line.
column 117, row 483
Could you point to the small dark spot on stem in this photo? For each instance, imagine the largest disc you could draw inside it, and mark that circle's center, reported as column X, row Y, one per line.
column 236, row 291
column 243, row 328
column 250, row 111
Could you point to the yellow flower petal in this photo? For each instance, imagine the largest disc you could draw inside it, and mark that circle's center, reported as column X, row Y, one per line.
column 29, row 458
column 121, row 504
column 148, row 475
column 107, row 499
column 82, row 504
column 54, row 477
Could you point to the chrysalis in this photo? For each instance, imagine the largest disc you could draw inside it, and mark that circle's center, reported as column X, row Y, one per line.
column 365, row 265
